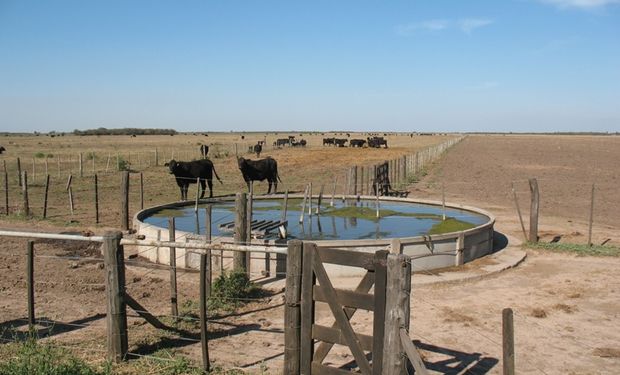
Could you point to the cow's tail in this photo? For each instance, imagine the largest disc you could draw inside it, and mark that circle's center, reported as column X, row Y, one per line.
column 278, row 176
column 218, row 177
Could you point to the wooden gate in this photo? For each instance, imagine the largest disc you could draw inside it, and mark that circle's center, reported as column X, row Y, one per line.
column 316, row 286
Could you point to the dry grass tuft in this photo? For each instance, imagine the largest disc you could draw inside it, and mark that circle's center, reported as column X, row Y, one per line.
column 566, row 308
column 539, row 313
column 607, row 352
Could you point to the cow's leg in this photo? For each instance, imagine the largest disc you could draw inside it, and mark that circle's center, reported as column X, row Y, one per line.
column 269, row 189
column 275, row 185
column 185, row 188
column 203, row 185
column 210, row 183
column 247, row 182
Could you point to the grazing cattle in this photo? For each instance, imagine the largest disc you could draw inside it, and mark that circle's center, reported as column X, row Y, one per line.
column 281, row 142
column 377, row 142
column 2, row 149
column 204, row 150
column 328, row 141
column 301, row 143
column 260, row 170
column 339, row 142
column 187, row 172
column 258, row 148
column 357, row 143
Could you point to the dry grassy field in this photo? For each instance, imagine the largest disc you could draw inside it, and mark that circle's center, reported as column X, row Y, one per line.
column 566, row 305
column 296, row 166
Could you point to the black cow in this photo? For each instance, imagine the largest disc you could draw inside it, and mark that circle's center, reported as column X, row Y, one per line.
column 357, row 143
column 204, row 150
column 377, row 142
column 339, row 142
column 328, row 141
column 187, row 172
column 258, row 148
column 281, row 142
column 260, row 170
column 2, row 149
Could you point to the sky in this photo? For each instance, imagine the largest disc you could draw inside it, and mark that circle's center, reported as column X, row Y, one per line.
column 230, row 65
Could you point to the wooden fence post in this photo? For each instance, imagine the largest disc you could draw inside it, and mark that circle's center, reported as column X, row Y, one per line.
column 508, row 342
column 116, row 318
column 47, row 187
column 30, row 283
column 534, row 204
column 514, row 195
column 81, row 166
column 19, row 172
column 156, row 157
column 354, row 179
column 248, row 230
column 174, row 307
column 292, row 311
column 70, row 191
column 141, row 191
column 24, row 185
column 398, row 289
column 591, row 217
column 205, row 293
column 125, row 200
column 96, row 199
column 6, row 188
column 241, row 206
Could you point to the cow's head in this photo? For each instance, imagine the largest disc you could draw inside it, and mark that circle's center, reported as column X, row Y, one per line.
column 172, row 165
column 241, row 162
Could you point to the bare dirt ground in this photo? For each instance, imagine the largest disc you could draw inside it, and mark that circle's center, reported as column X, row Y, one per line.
column 566, row 307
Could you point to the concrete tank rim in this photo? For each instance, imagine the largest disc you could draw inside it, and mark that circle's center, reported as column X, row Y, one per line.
column 140, row 215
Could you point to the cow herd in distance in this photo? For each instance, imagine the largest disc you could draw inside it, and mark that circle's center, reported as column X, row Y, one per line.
column 202, row 171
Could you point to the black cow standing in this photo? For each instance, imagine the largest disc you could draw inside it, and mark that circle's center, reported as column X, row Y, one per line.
column 204, row 150
column 258, row 148
column 187, row 172
column 2, row 149
column 260, row 170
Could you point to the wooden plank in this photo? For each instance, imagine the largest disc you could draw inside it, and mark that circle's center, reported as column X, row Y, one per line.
column 292, row 312
column 412, row 353
column 141, row 310
column 335, row 336
column 347, row 298
column 378, row 319
column 363, row 287
column 341, row 319
column 307, row 308
column 347, row 258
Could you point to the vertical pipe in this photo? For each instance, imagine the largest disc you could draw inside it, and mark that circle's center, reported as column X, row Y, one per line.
column 174, row 307
column 30, row 283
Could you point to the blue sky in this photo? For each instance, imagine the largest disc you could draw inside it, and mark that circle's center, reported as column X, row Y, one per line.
column 522, row 65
